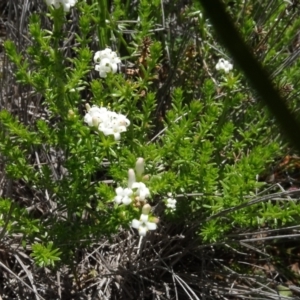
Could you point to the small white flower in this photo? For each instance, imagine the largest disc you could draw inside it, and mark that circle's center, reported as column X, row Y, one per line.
column 224, row 65
column 67, row 4
column 109, row 122
column 141, row 190
column 123, row 196
column 106, row 62
column 99, row 55
column 95, row 116
column 114, row 130
column 171, row 203
column 106, row 66
column 143, row 225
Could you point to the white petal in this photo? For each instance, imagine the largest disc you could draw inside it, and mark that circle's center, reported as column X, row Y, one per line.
column 106, row 52
column 136, row 185
column 128, row 192
column 116, row 60
column 151, row 225
column 123, row 121
column 126, row 200
column 144, row 193
column 106, row 131
column 97, row 57
column 144, row 218
column 113, row 114
column 114, row 67
column 142, row 185
column 103, row 74
column 105, row 62
column 117, row 136
column 121, row 129
column 67, row 7
column 119, row 191
column 118, row 199
column 171, row 201
column 135, row 223
column 88, row 119
column 97, row 110
column 143, row 230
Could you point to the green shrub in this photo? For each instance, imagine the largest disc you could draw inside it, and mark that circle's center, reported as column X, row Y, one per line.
column 203, row 133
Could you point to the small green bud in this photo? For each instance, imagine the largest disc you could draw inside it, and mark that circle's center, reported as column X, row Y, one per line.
column 71, row 114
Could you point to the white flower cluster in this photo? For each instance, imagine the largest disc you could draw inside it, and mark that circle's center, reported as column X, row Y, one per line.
column 171, row 202
column 108, row 122
column 123, row 196
column 224, row 65
column 106, row 61
column 137, row 192
column 67, row 4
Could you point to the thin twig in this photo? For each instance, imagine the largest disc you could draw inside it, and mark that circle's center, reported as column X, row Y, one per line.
column 21, row 280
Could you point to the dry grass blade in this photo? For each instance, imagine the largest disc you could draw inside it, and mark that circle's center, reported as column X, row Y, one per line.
column 29, row 276
column 22, row 281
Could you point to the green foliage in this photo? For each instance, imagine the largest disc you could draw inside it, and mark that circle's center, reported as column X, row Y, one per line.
column 14, row 219
column 204, row 135
column 45, row 256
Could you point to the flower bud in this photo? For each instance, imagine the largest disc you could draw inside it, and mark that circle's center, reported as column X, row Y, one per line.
column 140, row 166
column 95, row 121
column 146, row 209
column 122, row 215
column 131, row 178
column 155, row 220
column 87, row 107
column 146, row 177
column 137, row 204
column 71, row 114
